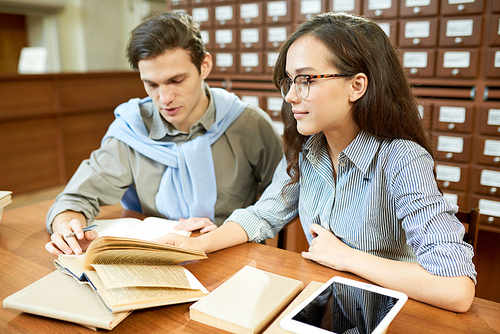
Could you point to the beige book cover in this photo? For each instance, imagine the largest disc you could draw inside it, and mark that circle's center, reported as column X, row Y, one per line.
column 246, row 302
column 275, row 327
column 5, row 199
column 59, row 296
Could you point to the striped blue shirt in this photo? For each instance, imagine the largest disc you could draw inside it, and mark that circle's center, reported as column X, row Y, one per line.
column 384, row 201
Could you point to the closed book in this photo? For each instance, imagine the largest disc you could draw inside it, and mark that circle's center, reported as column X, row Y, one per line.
column 59, row 296
column 246, row 302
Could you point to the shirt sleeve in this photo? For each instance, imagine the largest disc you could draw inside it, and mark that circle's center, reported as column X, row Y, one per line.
column 100, row 180
column 432, row 229
column 272, row 211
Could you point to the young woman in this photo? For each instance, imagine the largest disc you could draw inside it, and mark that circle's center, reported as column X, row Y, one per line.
column 358, row 169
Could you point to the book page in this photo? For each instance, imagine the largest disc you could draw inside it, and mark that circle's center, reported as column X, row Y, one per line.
column 132, row 298
column 119, row 276
column 147, row 229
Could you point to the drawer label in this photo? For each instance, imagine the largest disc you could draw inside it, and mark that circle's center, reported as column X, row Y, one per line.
column 448, row 173
column 492, row 147
column 450, row 144
column 452, row 114
column 490, row 208
column 420, row 29
column 455, row 28
column 456, row 59
column 490, row 178
column 493, row 117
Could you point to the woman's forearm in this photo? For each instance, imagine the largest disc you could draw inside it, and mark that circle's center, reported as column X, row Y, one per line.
column 228, row 235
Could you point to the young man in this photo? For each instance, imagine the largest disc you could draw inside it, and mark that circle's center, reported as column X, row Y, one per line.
column 186, row 151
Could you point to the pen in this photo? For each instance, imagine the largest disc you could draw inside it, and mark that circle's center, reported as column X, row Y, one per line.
column 88, row 228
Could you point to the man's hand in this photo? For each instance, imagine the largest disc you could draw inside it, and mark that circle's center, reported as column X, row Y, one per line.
column 196, row 223
column 64, row 224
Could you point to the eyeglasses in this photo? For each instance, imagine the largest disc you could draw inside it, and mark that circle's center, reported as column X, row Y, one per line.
column 302, row 83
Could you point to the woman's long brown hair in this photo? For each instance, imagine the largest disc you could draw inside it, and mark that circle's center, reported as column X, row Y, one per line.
column 388, row 109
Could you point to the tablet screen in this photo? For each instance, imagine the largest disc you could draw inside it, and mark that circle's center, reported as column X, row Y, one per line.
column 342, row 308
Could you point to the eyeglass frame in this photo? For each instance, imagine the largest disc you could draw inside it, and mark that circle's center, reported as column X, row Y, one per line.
column 308, row 78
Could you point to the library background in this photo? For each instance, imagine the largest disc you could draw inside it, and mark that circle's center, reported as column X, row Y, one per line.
column 450, row 50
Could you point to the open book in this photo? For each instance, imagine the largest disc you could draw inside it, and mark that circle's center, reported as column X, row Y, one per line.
column 5, row 199
column 129, row 274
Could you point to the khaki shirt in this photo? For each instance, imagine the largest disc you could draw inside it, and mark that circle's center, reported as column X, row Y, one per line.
column 245, row 158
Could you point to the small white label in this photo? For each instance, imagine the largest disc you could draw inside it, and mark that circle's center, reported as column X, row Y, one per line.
column 452, row 114
column 420, row 29
column 492, row 147
column 274, row 103
column 271, row 58
column 489, row 208
column 448, row 173
column 223, row 13
column 310, row 7
column 205, row 36
column 452, row 198
column 224, row 36
column 200, row 14
column 343, row 5
column 33, row 60
column 276, row 8
column 277, row 34
column 456, row 59
column 251, row 100
column 224, row 60
column 415, row 59
column 490, row 178
column 419, row 3
column 496, row 61
column 249, row 11
column 493, row 117
column 379, row 4
column 456, row 28
column 450, row 144
column 457, row 2
column 250, row 36
column 250, row 59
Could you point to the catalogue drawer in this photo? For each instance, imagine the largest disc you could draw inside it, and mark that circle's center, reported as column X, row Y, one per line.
column 419, row 63
column 494, row 30
column 251, row 39
column 270, row 58
column 225, row 62
column 492, row 66
column 457, row 198
column 208, row 37
column 226, row 39
column 272, row 105
column 452, row 148
column 489, row 120
column 251, row 13
column 452, row 176
column 489, row 208
column 308, row 8
column 418, row 8
column 251, row 62
column 462, row 7
column 275, row 36
column 418, row 33
column 457, row 63
column 486, row 181
column 461, row 31
column 487, row 150
column 390, row 27
column 225, row 15
column 279, row 12
column 348, row 6
column 203, row 16
column 253, row 98
column 380, row 9
column 452, row 117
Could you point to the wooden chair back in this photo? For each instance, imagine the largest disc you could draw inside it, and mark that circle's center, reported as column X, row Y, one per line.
column 471, row 223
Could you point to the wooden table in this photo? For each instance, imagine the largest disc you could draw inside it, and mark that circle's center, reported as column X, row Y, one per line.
column 24, row 260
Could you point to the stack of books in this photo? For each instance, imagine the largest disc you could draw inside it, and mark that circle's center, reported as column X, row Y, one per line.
column 5, row 199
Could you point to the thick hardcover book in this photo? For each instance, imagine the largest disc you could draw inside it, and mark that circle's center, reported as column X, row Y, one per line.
column 60, row 297
column 246, row 302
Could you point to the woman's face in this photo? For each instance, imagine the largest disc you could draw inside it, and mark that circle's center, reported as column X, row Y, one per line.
column 328, row 106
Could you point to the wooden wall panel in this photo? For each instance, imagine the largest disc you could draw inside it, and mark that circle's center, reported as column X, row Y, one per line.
column 27, row 96
column 29, row 154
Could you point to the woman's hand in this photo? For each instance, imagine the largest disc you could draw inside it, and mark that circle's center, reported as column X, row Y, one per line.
column 178, row 240
column 196, row 223
column 327, row 249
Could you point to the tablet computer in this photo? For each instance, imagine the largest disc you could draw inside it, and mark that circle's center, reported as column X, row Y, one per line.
column 344, row 305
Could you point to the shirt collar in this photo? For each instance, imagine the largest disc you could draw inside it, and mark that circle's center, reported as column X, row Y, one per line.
column 361, row 151
column 159, row 127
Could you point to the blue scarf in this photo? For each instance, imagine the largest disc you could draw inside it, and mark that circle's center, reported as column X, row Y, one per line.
column 188, row 187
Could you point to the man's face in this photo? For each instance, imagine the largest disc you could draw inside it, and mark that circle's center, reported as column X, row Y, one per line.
column 176, row 86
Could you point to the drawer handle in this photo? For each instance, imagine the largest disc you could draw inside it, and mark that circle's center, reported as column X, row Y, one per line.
column 493, row 190
column 417, row 10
